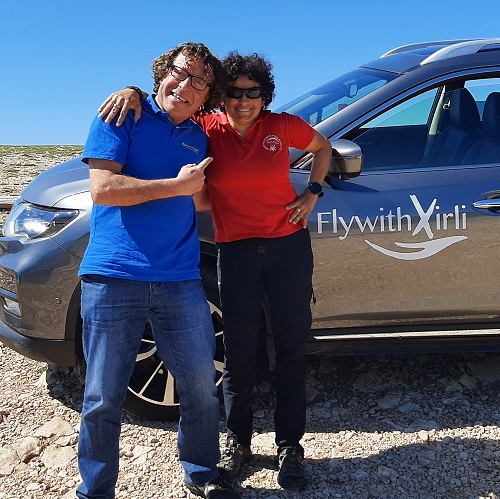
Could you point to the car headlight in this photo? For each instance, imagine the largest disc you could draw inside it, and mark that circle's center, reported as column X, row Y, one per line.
column 33, row 221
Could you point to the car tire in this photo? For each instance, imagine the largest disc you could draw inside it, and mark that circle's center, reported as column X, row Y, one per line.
column 151, row 392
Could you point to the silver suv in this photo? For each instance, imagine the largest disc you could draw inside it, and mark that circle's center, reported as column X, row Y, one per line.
column 406, row 251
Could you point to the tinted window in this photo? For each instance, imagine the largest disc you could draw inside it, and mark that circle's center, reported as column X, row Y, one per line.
column 322, row 102
column 397, row 138
column 480, row 89
column 415, row 111
column 445, row 126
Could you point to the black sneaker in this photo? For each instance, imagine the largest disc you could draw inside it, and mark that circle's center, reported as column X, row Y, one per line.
column 218, row 488
column 292, row 472
column 233, row 457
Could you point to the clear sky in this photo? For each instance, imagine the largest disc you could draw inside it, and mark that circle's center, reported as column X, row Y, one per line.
column 59, row 59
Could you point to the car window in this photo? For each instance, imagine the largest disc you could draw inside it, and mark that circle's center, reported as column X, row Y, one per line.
column 396, row 138
column 445, row 126
column 480, row 89
column 328, row 99
column 415, row 111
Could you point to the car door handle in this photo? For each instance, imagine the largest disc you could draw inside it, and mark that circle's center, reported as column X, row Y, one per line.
column 487, row 204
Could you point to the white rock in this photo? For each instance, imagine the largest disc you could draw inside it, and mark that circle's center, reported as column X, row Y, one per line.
column 264, row 441
column 54, row 429
column 58, row 457
column 32, row 487
column 27, row 449
column 8, row 461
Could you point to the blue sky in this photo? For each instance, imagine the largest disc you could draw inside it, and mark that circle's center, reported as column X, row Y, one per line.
column 60, row 59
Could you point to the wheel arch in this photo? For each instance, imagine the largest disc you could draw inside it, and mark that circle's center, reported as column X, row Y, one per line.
column 73, row 326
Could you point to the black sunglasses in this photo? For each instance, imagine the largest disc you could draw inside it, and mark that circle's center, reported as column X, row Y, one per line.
column 251, row 93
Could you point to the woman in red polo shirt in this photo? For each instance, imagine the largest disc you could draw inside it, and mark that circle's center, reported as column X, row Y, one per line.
column 264, row 250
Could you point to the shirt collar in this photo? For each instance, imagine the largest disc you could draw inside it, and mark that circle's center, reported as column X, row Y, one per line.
column 163, row 114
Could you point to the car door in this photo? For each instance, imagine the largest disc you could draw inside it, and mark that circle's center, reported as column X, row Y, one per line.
column 412, row 239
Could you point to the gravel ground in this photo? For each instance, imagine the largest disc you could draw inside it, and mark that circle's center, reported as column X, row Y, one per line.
column 416, row 426
column 20, row 164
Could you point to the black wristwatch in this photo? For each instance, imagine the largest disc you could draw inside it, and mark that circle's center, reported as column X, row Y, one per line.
column 140, row 93
column 315, row 188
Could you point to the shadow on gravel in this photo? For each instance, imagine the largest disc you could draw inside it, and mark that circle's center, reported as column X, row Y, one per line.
column 66, row 384
column 405, row 393
column 436, row 470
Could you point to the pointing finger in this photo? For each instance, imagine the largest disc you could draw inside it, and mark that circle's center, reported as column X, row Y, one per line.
column 204, row 163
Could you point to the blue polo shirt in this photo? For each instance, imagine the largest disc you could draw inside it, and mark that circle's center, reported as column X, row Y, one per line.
column 157, row 240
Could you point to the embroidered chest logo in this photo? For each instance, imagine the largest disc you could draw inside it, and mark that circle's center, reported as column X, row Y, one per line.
column 272, row 143
column 192, row 148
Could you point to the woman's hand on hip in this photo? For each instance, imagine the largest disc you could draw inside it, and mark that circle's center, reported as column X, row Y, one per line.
column 302, row 207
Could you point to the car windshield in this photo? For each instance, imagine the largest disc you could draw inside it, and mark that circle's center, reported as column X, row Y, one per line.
column 322, row 102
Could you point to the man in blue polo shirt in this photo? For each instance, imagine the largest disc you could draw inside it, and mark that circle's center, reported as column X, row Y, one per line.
column 142, row 261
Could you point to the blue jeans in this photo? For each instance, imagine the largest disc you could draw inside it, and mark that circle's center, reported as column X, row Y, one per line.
column 114, row 315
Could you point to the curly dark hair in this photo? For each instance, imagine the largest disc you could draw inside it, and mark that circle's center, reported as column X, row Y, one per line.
column 162, row 65
column 255, row 67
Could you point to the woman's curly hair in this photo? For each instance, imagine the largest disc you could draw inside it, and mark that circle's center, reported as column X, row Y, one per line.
column 162, row 65
column 255, row 67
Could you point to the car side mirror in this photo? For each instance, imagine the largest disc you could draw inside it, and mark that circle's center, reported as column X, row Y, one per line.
column 347, row 159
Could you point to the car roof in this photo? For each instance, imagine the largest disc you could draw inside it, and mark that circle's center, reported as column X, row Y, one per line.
column 407, row 57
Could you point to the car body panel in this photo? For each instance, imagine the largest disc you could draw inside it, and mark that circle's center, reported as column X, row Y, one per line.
column 52, row 351
column 57, row 183
column 453, row 251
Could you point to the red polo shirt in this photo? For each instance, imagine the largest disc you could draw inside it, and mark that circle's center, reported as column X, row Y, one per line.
column 248, row 180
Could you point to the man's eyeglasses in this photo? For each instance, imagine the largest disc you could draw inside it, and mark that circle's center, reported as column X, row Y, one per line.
column 251, row 93
column 181, row 74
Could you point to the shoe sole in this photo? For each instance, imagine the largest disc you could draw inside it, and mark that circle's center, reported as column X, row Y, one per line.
column 197, row 492
column 293, row 486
